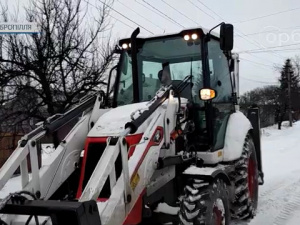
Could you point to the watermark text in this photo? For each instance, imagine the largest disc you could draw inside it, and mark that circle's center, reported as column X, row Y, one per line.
column 18, row 28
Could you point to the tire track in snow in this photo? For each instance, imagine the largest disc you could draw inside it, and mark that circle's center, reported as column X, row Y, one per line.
column 292, row 204
column 266, row 199
column 274, row 188
column 269, row 200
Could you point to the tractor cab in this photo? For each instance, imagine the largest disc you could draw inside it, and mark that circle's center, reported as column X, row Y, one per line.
column 147, row 64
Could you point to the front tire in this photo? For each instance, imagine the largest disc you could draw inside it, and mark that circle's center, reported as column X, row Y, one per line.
column 245, row 178
column 205, row 204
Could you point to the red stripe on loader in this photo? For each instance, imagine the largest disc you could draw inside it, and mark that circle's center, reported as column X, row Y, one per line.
column 135, row 215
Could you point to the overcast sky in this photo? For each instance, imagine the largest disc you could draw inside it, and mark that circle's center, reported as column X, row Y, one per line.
column 272, row 24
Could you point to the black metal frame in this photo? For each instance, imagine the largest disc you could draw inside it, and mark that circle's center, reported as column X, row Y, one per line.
column 206, row 84
column 253, row 116
column 108, row 84
column 60, row 212
column 54, row 123
column 135, row 76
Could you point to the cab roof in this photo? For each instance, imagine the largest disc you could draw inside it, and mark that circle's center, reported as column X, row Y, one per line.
column 199, row 30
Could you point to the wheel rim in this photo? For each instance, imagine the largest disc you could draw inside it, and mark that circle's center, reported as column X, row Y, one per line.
column 218, row 213
column 251, row 177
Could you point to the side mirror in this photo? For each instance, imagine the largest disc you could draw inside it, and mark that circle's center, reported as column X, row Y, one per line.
column 226, row 37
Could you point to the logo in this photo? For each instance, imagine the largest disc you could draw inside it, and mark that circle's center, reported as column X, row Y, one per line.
column 19, row 28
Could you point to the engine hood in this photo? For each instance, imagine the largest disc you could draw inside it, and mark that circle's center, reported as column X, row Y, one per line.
column 112, row 123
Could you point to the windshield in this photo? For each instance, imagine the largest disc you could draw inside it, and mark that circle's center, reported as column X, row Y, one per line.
column 179, row 57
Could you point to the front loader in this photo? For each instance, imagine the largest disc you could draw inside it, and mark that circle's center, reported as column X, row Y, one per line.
column 165, row 143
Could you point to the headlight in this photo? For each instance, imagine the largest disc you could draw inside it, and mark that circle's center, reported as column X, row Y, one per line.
column 194, row 36
column 186, row 37
column 124, row 46
column 207, row 94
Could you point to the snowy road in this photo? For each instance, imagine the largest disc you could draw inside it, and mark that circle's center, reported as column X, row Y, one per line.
column 279, row 198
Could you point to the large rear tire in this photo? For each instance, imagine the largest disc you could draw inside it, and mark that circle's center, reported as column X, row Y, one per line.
column 245, row 178
column 205, row 204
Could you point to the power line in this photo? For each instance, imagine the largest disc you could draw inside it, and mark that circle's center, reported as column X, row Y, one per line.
column 286, row 28
column 125, row 16
column 145, row 18
column 152, row 10
column 259, row 81
column 258, row 49
column 224, row 20
column 179, row 12
column 255, row 56
column 276, row 50
column 210, row 9
column 257, row 44
column 109, row 15
column 272, row 14
column 252, row 41
column 122, row 22
column 163, row 13
column 201, row 9
column 257, row 63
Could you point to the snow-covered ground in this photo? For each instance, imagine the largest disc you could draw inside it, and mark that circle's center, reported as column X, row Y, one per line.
column 279, row 198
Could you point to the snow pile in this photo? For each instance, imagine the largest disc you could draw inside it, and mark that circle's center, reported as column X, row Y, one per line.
column 13, row 185
column 193, row 170
column 238, row 127
column 273, row 130
column 47, row 152
column 113, row 122
column 166, row 209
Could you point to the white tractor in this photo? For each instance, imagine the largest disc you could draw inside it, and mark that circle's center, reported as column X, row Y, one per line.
column 165, row 143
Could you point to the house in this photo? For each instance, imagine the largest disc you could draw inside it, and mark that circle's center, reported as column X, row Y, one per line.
column 8, row 142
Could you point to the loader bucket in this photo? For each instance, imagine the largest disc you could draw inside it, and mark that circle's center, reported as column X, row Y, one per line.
column 60, row 212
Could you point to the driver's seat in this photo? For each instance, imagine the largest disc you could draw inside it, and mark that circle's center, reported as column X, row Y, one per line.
column 186, row 92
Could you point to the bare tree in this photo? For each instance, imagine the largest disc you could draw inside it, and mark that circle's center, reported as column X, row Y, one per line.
column 46, row 73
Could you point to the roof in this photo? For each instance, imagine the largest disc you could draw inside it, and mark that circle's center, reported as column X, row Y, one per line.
column 204, row 30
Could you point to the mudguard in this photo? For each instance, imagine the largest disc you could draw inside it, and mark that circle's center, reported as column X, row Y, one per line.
column 212, row 173
column 237, row 129
column 220, row 171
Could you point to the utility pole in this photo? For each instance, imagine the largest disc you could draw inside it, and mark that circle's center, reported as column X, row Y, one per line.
column 1, row 91
column 290, row 97
column 1, row 40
